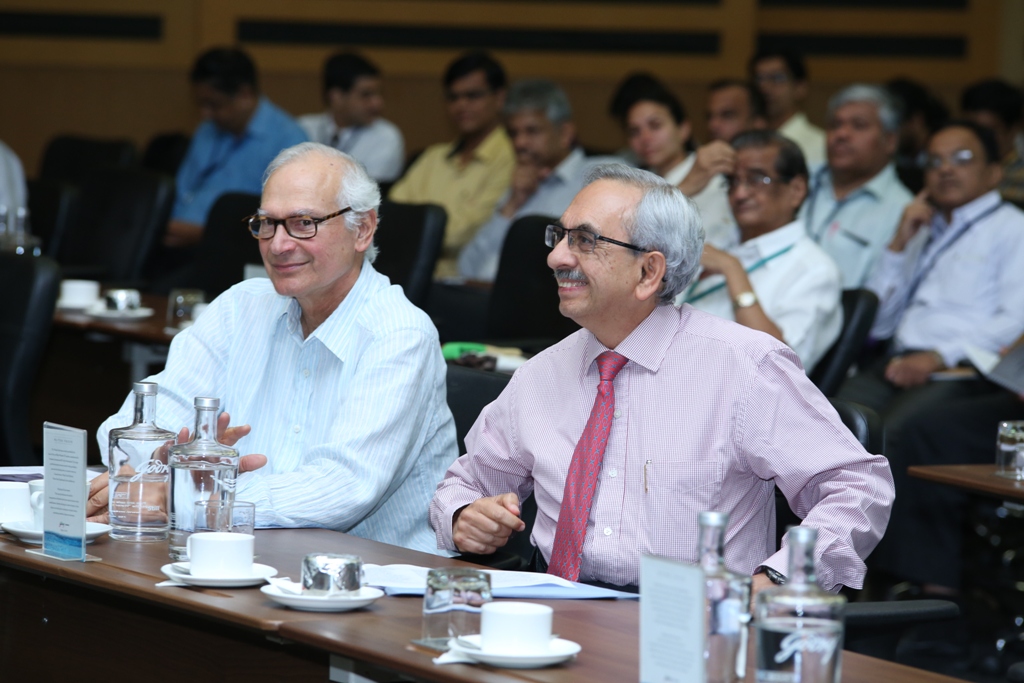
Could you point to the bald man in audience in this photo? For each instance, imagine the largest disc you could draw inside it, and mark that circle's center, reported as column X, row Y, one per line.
column 687, row 412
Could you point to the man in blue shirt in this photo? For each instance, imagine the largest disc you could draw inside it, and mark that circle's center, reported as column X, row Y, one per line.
column 340, row 377
column 242, row 132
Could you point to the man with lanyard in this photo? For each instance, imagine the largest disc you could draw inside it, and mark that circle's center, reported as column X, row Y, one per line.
column 777, row 279
column 625, row 430
column 952, row 277
column 856, row 199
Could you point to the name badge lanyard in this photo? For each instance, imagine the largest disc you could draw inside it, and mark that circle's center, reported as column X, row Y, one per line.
column 928, row 265
column 757, row 264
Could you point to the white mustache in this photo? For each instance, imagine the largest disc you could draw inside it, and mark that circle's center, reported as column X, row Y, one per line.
column 571, row 275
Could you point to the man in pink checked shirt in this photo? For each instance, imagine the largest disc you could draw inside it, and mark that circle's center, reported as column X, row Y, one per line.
column 629, row 428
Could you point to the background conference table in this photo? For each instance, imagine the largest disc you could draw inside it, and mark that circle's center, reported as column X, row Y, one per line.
column 108, row 621
column 976, row 478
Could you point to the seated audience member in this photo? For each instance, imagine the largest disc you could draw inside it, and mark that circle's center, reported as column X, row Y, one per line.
column 923, row 542
column 777, row 280
column 999, row 106
column 627, row 93
column 856, row 199
column 659, row 134
column 781, row 76
column 352, row 122
column 13, row 193
column 921, row 114
column 242, row 132
column 339, row 375
column 549, row 170
column 468, row 176
column 690, row 412
column 734, row 107
column 952, row 276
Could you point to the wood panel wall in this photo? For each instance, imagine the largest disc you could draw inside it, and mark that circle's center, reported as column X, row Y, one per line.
column 119, row 67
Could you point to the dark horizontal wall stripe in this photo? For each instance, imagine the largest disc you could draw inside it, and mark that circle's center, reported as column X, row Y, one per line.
column 866, row 46
column 873, row 4
column 380, row 35
column 64, row 25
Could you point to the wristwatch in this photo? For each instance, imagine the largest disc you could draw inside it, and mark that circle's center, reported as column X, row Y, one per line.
column 776, row 577
column 744, row 300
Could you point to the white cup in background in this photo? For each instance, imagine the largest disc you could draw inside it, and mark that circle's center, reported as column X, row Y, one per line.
column 515, row 627
column 36, row 485
column 220, row 555
column 14, row 502
column 78, row 293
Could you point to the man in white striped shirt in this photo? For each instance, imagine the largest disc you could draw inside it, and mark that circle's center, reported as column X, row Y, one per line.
column 706, row 415
column 339, row 375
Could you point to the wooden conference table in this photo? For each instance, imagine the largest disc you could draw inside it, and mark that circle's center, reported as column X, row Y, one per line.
column 108, row 621
column 144, row 330
column 976, row 478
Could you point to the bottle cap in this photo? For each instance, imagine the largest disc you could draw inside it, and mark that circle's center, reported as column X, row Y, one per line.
column 714, row 518
column 145, row 388
column 204, row 402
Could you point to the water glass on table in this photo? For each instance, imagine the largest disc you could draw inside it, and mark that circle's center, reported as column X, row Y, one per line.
column 1010, row 450
column 230, row 516
column 451, row 604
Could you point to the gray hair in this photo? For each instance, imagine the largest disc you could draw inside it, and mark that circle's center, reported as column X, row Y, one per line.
column 356, row 188
column 539, row 95
column 888, row 109
column 664, row 220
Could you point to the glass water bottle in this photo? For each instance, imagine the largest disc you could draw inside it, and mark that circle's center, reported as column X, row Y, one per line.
column 202, row 469
column 138, row 471
column 727, row 604
column 799, row 625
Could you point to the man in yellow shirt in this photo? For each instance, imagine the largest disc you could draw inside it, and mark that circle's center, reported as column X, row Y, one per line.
column 468, row 176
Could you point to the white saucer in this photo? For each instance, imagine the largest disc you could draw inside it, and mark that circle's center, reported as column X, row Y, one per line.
column 559, row 650
column 260, row 573
column 28, row 532
column 314, row 603
column 100, row 310
column 76, row 306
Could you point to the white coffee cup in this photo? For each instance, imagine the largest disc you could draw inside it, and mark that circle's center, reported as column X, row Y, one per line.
column 79, row 293
column 515, row 627
column 220, row 555
column 38, row 501
column 14, row 502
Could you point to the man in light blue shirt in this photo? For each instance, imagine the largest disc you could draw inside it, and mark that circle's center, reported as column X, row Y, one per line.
column 339, row 376
column 856, row 199
column 951, row 278
column 548, row 174
column 242, row 132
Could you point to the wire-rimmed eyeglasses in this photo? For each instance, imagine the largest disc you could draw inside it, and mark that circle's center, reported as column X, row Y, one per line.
column 581, row 239
column 299, row 227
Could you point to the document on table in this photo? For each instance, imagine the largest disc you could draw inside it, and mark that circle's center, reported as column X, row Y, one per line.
column 408, row 579
column 671, row 621
column 1007, row 372
column 66, row 492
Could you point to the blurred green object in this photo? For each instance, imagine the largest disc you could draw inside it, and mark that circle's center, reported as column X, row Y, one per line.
column 456, row 350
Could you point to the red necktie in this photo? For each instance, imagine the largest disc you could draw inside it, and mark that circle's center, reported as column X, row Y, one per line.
column 583, row 470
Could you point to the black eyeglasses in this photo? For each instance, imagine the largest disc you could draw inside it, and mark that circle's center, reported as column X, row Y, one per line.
column 961, row 157
column 755, row 180
column 581, row 239
column 299, row 227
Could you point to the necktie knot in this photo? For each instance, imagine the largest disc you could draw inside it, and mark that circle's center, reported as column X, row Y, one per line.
column 609, row 363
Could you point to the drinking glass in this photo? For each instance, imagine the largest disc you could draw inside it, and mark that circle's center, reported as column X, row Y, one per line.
column 1010, row 450
column 180, row 305
column 451, row 604
column 233, row 516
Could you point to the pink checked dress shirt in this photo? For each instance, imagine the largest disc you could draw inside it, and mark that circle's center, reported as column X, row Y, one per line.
column 709, row 415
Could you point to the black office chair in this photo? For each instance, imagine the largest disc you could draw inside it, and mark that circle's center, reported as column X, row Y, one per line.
column 409, row 240
column 859, row 308
column 123, row 212
column 165, row 152
column 74, row 159
column 30, row 287
column 523, row 310
column 226, row 248
column 53, row 207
